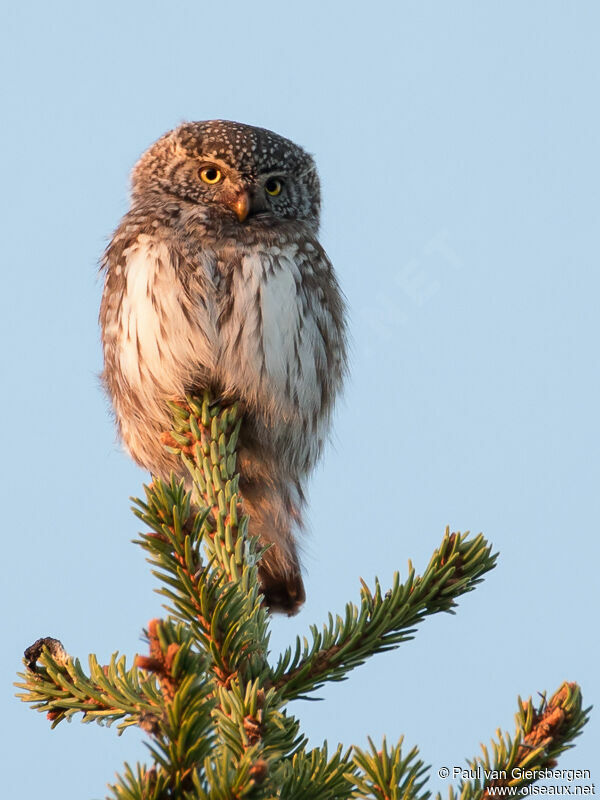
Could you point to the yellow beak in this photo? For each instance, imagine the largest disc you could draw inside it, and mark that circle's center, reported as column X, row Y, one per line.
column 241, row 206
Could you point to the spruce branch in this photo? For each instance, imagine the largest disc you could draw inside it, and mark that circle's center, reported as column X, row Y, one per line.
column 209, row 590
column 388, row 775
column 209, row 565
column 542, row 734
column 57, row 684
column 384, row 621
column 313, row 775
column 206, row 694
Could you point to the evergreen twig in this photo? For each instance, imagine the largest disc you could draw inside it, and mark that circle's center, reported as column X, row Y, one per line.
column 384, row 621
column 542, row 734
column 206, row 694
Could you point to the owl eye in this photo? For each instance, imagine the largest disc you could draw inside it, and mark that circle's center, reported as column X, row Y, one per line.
column 210, row 174
column 273, row 187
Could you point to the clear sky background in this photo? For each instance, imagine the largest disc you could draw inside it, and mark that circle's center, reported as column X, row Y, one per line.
column 458, row 149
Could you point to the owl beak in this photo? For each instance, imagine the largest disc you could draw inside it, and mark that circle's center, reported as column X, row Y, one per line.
column 241, row 206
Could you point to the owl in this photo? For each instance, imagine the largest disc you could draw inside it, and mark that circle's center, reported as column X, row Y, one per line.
column 215, row 279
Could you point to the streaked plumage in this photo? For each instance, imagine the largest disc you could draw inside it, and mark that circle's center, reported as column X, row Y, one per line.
column 225, row 286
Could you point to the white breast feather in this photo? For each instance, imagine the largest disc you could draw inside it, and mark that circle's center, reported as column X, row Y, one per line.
column 166, row 353
column 280, row 348
column 275, row 332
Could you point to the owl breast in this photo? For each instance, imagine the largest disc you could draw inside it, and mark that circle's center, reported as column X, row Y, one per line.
column 271, row 345
column 273, row 328
column 157, row 337
column 254, row 321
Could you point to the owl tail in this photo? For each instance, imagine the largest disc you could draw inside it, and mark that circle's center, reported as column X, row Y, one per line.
column 274, row 513
column 282, row 592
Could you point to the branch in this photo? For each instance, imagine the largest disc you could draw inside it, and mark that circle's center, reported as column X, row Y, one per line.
column 56, row 683
column 209, row 590
column 205, row 693
column 383, row 622
column 542, row 734
column 386, row 775
column 313, row 775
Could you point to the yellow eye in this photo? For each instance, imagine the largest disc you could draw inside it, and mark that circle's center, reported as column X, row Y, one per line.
column 211, row 174
column 273, row 187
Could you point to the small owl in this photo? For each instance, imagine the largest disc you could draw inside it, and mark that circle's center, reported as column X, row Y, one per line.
column 215, row 279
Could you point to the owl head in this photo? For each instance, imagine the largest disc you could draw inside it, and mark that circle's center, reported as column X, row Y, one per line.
column 235, row 171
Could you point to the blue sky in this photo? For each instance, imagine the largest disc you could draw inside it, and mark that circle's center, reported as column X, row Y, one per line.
column 458, row 150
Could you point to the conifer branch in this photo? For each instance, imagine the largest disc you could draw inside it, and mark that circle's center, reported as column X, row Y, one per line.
column 312, row 775
column 56, row 683
column 542, row 734
column 209, row 590
column 387, row 775
column 384, row 621
column 213, row 707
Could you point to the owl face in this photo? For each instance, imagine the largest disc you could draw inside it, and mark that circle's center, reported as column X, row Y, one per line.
column 235, row 172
